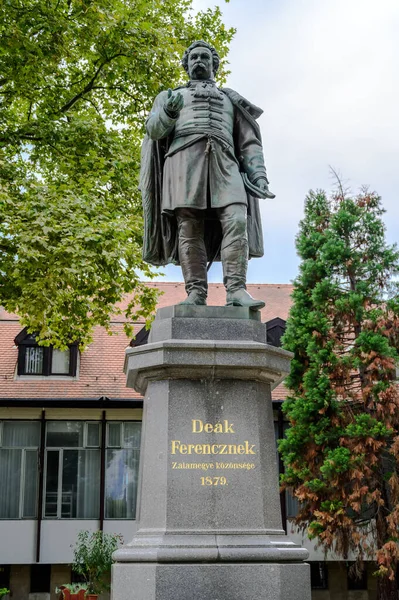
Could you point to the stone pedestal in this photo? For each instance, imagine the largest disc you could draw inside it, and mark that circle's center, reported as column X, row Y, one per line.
column 209, row 511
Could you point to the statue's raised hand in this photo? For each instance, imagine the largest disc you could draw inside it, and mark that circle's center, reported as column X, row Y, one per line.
column 174, row 104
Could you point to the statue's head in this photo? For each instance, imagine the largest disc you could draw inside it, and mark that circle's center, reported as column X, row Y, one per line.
column 200, row 60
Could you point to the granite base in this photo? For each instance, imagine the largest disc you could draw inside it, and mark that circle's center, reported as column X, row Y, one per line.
column 209, row 519
column 238, row 581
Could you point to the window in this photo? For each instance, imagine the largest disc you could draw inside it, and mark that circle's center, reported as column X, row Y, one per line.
column 291, row 502
column 292, row 505
column 40, row 579
column 275, row 330
column 121, row 469
column 72, row 470
column 318, row 575
column 5, row 576
column 34, row 360
column 19, row 443
column 356, row 580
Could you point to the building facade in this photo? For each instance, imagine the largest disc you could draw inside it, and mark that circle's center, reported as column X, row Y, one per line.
column 70, row 449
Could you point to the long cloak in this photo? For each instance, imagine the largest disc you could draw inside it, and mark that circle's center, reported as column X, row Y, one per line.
column 160, row 245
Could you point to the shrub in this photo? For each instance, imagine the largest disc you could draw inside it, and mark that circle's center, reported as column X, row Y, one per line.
column 93, row 558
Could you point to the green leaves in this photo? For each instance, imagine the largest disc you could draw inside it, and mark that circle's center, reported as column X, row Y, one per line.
column 364, row 425
column 92, row 558
column 336, row 461
column 77, row 80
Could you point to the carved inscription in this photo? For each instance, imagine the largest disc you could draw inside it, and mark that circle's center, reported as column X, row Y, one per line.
column 212, row 449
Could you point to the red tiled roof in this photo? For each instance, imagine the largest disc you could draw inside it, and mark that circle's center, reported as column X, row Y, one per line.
column 101, row 365
column 280, row 392
column 100, row 371
column 276, row 295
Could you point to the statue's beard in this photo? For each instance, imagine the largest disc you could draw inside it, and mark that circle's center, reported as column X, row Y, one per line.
column 200, row 71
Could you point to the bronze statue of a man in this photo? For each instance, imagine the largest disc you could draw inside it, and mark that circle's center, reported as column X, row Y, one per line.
column 202, row 172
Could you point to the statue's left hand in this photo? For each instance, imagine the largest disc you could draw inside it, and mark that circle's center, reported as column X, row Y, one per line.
column 261, row 183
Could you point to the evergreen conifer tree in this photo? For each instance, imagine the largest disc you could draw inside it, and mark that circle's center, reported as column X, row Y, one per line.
column 341, row 451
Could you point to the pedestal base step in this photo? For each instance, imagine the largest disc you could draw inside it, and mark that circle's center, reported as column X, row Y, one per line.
column 234, row 581
column 216, row 548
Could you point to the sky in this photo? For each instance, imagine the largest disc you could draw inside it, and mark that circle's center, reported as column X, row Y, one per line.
column 326, row 73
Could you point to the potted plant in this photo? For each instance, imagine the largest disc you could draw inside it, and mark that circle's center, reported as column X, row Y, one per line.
column 93, row 560
column 72, row 591
column 4, row 592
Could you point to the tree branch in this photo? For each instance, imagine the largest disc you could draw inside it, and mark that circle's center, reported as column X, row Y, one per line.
column 21, row 136
column 92, row 103
column 339, row 183
column 114, row 87
column 90, row 84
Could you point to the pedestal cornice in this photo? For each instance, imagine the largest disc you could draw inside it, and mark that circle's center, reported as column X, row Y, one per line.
column 205, row 359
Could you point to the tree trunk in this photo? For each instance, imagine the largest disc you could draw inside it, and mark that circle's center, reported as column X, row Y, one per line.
column 387, row 589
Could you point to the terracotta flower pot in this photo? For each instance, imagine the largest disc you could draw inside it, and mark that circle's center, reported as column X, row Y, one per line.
column 65, row 594
column 68, row 595
column 91, row 596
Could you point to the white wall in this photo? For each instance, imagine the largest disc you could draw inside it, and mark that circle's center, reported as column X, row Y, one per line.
column 17, row 542
column 314, row 552
column 18, row 539
column 126, row 528
column 59, row 536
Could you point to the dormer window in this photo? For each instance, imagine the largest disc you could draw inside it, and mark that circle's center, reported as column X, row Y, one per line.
column 35, row 360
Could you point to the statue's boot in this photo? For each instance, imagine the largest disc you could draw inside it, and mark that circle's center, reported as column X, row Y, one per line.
column 234, row 255
column 194, row 299
column 242, row 298
column 192, row 256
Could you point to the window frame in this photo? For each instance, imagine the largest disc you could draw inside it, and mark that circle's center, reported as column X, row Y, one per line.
column 291, row 502
column 321, row 569
column 60, row 449
column 22, row 489
column 41, row 481
column 120, row 448
column 26, row 340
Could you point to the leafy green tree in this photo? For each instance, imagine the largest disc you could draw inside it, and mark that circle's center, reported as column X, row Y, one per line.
column 77, row 78
column 341, row 452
